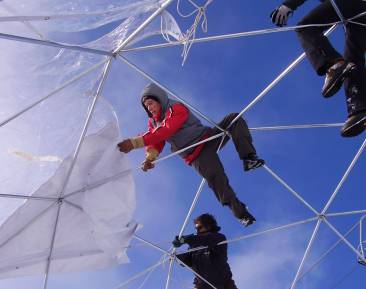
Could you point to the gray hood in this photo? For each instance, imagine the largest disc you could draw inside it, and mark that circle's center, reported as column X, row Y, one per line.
column 155, row 92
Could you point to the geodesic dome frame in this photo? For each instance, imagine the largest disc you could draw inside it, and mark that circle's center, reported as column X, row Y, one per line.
column 320, row 217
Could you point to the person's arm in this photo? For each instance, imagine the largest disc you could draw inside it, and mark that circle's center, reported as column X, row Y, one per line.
column 281, row 14
column 208, row 240
column 152, row 152
column 293, row 4
column 173, row 121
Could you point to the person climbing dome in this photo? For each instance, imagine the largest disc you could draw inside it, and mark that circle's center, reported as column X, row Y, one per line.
column 173, row 122
column 211, row 263
column 348, row 69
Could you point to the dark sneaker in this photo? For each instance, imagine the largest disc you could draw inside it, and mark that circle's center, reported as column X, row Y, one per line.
column 354, row 125
column 335, row 77
column 248, row 218
column 252, row 162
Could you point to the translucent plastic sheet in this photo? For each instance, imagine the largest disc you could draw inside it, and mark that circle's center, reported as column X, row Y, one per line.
column 39, row 139
column 34, row 145
column 73, row 15
column 95, row 224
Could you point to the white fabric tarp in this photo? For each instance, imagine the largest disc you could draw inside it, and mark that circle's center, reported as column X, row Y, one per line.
column 95, row 223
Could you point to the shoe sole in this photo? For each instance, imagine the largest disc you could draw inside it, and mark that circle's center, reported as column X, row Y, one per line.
column 355, row 129
column 249, row 223
column 258, row 165
column 337, row 84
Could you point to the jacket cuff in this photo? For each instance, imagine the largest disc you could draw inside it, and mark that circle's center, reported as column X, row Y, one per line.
column 292, row 4
column 151, row 154
column 137, row 142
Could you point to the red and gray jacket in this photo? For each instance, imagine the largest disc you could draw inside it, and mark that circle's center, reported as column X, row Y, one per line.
column 175, row 124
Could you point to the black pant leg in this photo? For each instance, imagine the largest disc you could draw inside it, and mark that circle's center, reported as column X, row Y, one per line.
column 241, row 136
column 240, row 133
column 317, row 47
column 355, row 48
column 209, row 166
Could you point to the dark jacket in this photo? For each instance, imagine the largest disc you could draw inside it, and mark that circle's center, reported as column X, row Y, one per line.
column 190, row 132
column 210, row 263
column 293, row 4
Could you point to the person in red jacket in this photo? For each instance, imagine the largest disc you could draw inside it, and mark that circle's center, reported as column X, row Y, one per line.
column 171, row 121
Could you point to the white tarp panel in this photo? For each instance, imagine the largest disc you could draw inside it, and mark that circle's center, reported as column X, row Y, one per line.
column 95, row 223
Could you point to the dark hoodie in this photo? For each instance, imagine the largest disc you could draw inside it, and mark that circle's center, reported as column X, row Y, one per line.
column 211, row 263
column 190, row 132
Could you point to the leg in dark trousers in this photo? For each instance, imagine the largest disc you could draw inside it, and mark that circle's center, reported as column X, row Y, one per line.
column 317, row 47
column 355, row 85
column 240, row 134
column 209, row 165
column 323, row 56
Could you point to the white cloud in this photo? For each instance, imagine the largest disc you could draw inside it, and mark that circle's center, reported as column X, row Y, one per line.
column 269, row 261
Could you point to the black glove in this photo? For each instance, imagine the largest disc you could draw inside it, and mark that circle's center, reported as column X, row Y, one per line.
column 280, row 15
column 177, row 242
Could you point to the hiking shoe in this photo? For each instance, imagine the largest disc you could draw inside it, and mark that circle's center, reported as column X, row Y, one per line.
column 248, row 218
column 361, row 261
column 354, row 125
column 252, row 162
column 335, row 77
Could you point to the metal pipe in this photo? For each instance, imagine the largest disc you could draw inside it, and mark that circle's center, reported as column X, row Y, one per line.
column 52, row 93
column 54, row 44
column 290, row 189
column 150, row 78
column 277, row 80
column 307, row 251
column 142, row 26
column 345, row 176
column 297, row 126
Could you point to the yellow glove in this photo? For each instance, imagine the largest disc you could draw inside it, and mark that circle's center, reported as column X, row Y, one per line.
column 128, row 145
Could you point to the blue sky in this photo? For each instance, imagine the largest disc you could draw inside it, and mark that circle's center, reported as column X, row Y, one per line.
column 223, row 77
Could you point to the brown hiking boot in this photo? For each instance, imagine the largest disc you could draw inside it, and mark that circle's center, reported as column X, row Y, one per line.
column 335, row 77
column 354, row 125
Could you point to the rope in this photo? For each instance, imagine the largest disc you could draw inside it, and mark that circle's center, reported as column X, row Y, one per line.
column 345, row 276
column 187, row 38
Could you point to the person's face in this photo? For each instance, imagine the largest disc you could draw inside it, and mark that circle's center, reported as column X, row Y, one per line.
column 152, row 106
column 200, row 228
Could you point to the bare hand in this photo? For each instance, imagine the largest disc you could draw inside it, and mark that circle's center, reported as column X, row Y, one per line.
column 125, row 146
